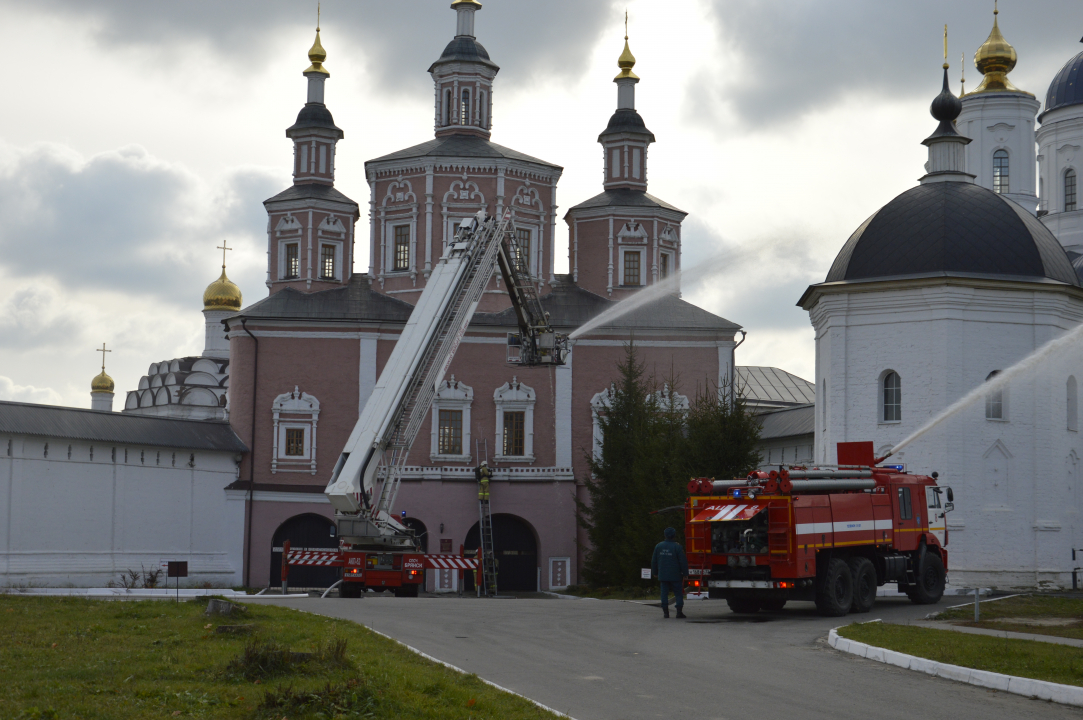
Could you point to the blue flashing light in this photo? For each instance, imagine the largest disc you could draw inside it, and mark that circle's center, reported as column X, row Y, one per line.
column 898, row 468
column 736, row 492
column 404, row 514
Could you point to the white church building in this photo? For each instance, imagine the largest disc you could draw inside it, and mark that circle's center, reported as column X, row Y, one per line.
column 948, row 284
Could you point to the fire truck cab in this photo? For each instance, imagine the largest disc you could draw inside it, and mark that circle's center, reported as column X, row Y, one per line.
column 830, row 535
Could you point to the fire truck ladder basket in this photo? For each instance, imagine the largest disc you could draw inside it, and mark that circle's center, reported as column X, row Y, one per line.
column 422, row 387
column 487, row 554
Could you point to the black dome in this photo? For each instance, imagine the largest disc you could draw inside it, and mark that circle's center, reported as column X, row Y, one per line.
column 466, row 49
column 1067, row 87
column 626, row 121
column 952, row 228
column 314, row 115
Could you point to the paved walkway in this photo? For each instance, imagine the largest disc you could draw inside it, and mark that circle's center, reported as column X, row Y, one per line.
column 945, row 625
column 621, row 661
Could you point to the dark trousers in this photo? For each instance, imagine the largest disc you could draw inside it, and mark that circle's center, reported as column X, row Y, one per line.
column 677, row 588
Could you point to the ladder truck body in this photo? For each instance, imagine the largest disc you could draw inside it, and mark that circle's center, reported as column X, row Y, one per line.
column 830, row 535
column 376, row 549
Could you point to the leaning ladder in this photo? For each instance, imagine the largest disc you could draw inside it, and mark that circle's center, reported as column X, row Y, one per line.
column 487, row 554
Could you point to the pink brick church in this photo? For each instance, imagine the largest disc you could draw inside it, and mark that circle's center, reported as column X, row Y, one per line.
column 303, row 360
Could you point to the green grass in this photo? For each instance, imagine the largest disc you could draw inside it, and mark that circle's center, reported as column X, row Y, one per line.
column 1020, row 606
column 999, row 615
column 76, row 658
column 1025, row 658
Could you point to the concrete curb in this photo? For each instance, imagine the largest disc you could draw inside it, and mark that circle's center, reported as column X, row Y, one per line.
column 1040, row 689
column 133, row 594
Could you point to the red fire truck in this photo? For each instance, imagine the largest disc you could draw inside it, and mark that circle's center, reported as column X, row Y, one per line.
column 832, row 535
column 399, row 573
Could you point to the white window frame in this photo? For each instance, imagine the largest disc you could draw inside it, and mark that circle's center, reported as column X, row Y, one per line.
column 669, row 255
column 642, row 250
column 880, row 406
column 1072, row 398
column 337, row 244
column 389, row 244
column 451, row 395
column 1003, row 392
column 599, row 405
column 515, row 396
column 294, row 410
column 531, row 260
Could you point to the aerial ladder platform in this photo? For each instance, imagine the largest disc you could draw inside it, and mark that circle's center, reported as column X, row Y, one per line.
column 368, row 473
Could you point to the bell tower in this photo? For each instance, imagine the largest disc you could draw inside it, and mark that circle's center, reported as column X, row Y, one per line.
column 463, row 78
column 624, row 239
column 310, row 228
column 999, row 118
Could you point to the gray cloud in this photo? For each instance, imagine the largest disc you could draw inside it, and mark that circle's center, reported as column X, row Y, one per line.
column 527, row 40
column 27, row 393
column 33, row 319
column 803, row 55
column 124, row 221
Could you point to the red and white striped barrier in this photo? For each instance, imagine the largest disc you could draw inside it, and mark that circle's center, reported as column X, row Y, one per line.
column 450, row 562
column 325, row 559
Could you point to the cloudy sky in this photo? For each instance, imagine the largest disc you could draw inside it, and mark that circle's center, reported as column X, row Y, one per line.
column 136, row 136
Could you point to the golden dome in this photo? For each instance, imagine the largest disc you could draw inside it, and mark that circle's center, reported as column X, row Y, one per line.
column 457, row 3
column 626, row 62
column 995, row 59
column 222, row 294
column 102, row 383
column 317, row 55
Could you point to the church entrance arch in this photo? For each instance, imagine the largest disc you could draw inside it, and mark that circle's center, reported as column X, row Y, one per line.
column 305, row 532
column 516, row 554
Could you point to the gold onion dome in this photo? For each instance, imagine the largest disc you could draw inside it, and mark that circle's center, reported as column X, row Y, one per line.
column 222, row 294
column 316, row 54
column 458, row 3
column 626, row 62
column 102, row 383
column 995, row 59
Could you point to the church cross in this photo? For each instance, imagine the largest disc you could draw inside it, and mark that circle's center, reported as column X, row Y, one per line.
column 223, row 247
column 103, row 351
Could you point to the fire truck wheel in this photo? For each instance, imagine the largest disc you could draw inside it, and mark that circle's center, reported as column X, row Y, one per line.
column 930, row 586
column 406, row 591
column 350, row 590
column 743, row 605
column 864, row 575
column 773, row 605
column 835, row 594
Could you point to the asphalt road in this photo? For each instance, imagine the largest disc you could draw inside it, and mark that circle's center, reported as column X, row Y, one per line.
column 614, row 660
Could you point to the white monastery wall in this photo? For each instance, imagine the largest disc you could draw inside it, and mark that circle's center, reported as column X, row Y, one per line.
column 83, row 520
column 1017, row 514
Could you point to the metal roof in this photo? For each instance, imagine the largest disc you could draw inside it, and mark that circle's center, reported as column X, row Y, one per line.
column 114, row 427
column 624, row 197
column 309, row 191
column 788, row 422
column 357, row 301
column 952, row 227
column 1067, row 87
column 773, row 386
column 455, row 146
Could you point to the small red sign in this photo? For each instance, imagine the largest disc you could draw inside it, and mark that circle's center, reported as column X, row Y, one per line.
column 445, row 545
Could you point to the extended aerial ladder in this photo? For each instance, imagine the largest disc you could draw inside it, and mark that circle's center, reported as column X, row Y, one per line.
column 377, row 449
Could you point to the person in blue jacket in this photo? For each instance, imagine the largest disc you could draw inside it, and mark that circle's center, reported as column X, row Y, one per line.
column 670, row 566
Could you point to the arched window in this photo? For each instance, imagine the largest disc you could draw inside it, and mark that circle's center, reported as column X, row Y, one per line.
column 1069, row 190
column 994, row 401
column 892, row 397
column 464, row 109
column 1073, row 405
column 1000, row 171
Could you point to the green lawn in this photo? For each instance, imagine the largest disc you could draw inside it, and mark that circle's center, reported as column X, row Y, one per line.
column 1000, row 614
column 1025, row 658
column 75, row 658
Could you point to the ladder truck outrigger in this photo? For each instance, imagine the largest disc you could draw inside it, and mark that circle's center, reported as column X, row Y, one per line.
column 828, row 534
column 377, row 550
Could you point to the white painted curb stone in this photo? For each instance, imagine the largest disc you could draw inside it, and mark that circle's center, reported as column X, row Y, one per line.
column 1055, row 692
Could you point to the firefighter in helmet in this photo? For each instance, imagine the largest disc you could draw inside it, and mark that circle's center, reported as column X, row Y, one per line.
column 483, row 475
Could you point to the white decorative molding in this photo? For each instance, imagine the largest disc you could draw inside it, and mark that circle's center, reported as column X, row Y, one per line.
column 599, row 405
column 399, row 192
column 294, row 410
column 451, row 395
column 514, row 396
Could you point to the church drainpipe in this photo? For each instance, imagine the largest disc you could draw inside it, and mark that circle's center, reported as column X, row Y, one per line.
column 252, row 458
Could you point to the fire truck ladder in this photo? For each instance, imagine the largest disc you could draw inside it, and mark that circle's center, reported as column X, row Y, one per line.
column 487, row 555
column 434, row 364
